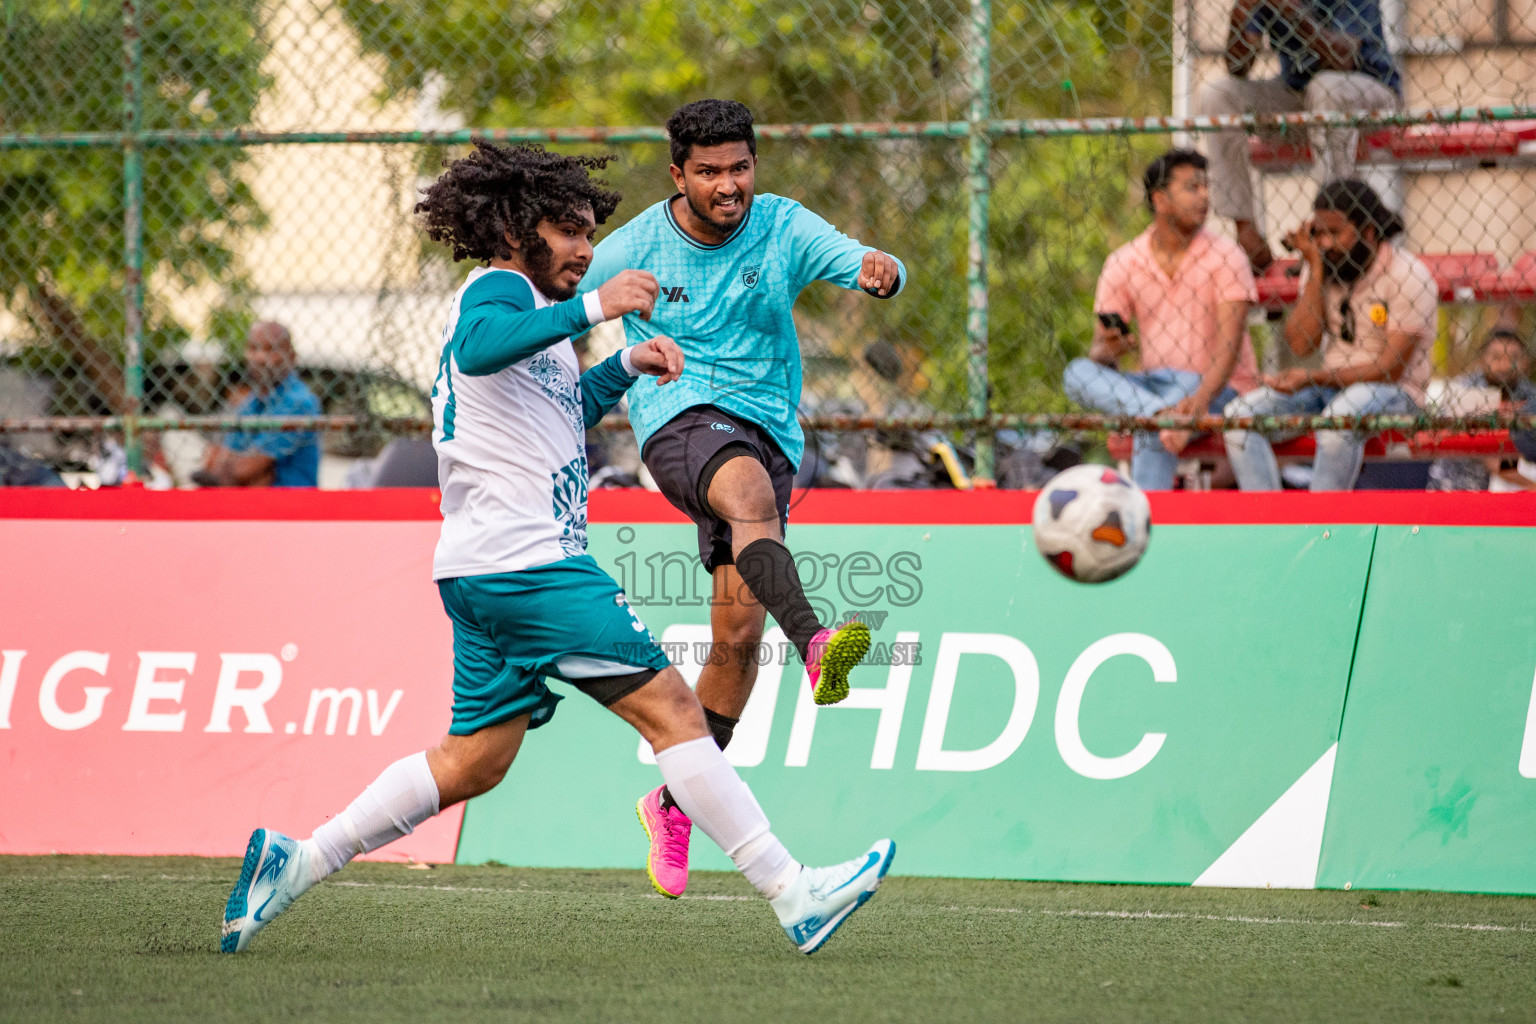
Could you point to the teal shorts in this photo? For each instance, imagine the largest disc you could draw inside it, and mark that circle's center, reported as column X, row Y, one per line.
column 568, row 620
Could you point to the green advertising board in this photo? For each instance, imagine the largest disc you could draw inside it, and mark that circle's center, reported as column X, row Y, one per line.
column 1435, row 786
column 1175, row 725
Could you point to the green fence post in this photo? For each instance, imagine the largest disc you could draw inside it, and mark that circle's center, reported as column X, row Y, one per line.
column 133, row 230
column 979, row 195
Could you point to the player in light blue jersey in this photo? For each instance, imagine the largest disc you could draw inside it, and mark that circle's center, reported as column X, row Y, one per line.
column 723, row 443
column 527, row 603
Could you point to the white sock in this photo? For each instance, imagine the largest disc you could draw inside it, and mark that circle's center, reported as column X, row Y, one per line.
column 402, row 797
column 710, row 792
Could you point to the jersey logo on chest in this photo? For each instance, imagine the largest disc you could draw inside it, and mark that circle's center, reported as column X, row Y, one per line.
column 750, row 275
column 677, row 294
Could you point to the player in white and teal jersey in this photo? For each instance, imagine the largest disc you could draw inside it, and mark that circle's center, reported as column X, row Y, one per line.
column 723, row 443
column 526, row 601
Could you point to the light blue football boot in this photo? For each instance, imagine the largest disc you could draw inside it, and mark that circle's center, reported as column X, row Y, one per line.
column 277, row 871
column 819, row 900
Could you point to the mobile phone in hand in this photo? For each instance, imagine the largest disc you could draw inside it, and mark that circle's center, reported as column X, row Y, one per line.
column 1114, row 322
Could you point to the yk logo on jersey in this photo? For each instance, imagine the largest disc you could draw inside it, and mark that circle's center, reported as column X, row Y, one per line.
column 570, row 504
column 749, row 276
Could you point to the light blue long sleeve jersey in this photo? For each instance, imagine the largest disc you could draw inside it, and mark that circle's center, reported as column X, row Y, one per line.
column 728, row 308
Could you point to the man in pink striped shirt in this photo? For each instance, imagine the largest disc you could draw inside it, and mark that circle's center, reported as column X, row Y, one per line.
column 1188, row 292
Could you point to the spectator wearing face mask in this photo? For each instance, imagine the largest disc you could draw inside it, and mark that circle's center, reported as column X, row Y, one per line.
column 1370, row 307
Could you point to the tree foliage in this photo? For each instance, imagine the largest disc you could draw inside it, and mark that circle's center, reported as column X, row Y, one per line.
column 1057, row 206
column 61, row 210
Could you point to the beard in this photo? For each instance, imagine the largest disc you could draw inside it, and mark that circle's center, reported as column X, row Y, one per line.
column 1346, row 267
column 265, row 378
column 539, row 262
column 707, row 215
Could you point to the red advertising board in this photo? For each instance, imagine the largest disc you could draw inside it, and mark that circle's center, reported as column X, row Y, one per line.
column 167, row 686
column 177, row 668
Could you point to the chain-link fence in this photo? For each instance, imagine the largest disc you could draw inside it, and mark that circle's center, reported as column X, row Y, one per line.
column 172, row 173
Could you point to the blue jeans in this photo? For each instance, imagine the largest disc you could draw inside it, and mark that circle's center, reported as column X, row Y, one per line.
column 1103, row 389
column 1339, row 452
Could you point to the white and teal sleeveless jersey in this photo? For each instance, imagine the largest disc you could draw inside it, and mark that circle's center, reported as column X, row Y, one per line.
column 510, row 408
column 728, row 308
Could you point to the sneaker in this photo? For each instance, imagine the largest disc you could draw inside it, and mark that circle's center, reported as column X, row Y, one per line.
column 819, row 900
column 668, row 829
column 276, row 872
column 832, row 655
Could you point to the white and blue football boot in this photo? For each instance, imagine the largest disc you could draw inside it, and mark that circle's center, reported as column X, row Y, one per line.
column 819, row 900
column 276, row 872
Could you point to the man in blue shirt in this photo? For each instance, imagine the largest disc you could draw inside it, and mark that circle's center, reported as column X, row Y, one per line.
column 1333, row 57
column 268, row 458
column 723, row 442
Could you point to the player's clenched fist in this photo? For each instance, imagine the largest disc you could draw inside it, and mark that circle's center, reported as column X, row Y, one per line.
column 630, row 291
column 878, row 274
column 659, row 357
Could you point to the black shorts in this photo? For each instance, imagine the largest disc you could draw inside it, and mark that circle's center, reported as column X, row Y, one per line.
column 684, row 455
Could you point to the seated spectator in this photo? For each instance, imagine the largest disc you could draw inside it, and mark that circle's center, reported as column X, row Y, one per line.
column 1500, row 383
column 268, row 458
column 1333, row 57
column 1371, row 307
column 23, row 469
column 1188, row 292
column 1523, row 476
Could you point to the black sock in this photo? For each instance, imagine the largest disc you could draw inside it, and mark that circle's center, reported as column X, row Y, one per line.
column 722, row 728
column 768, row 569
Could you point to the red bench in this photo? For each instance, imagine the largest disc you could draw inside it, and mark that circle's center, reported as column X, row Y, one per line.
column 1517, row 284
column 1473, row 141
column 1462, row 277
column 1425, row 444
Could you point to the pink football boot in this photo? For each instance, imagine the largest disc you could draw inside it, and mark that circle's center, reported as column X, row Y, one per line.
column 668, row 829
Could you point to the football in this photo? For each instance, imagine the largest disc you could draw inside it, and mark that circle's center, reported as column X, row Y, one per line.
column 1091, row 523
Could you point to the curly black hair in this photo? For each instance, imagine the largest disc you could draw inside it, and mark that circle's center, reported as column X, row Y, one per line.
column 709, row 123
column 500, row 190
column 1361, row 205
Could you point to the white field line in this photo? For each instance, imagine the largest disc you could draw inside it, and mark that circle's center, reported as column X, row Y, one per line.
column 1123, row 915
column 1153, row 915
column 1234, row 919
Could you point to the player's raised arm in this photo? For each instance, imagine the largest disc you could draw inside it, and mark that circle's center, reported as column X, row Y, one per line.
column 824, row 253
column 501, row 324
column 604, row 384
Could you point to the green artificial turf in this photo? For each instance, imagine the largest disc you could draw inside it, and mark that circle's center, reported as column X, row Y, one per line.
column 135, row 939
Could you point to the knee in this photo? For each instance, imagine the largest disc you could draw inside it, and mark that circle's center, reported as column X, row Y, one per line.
column 1349, row 401
column 1236, row 440
column 1218, row 96
column 1334, row 444
column 673, row 714
column 1074, row 380
column 1239, row 406
column 1327, row 90
column 1358, row 399
column 745, row 627
column 473, row 774
column 741, row 491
